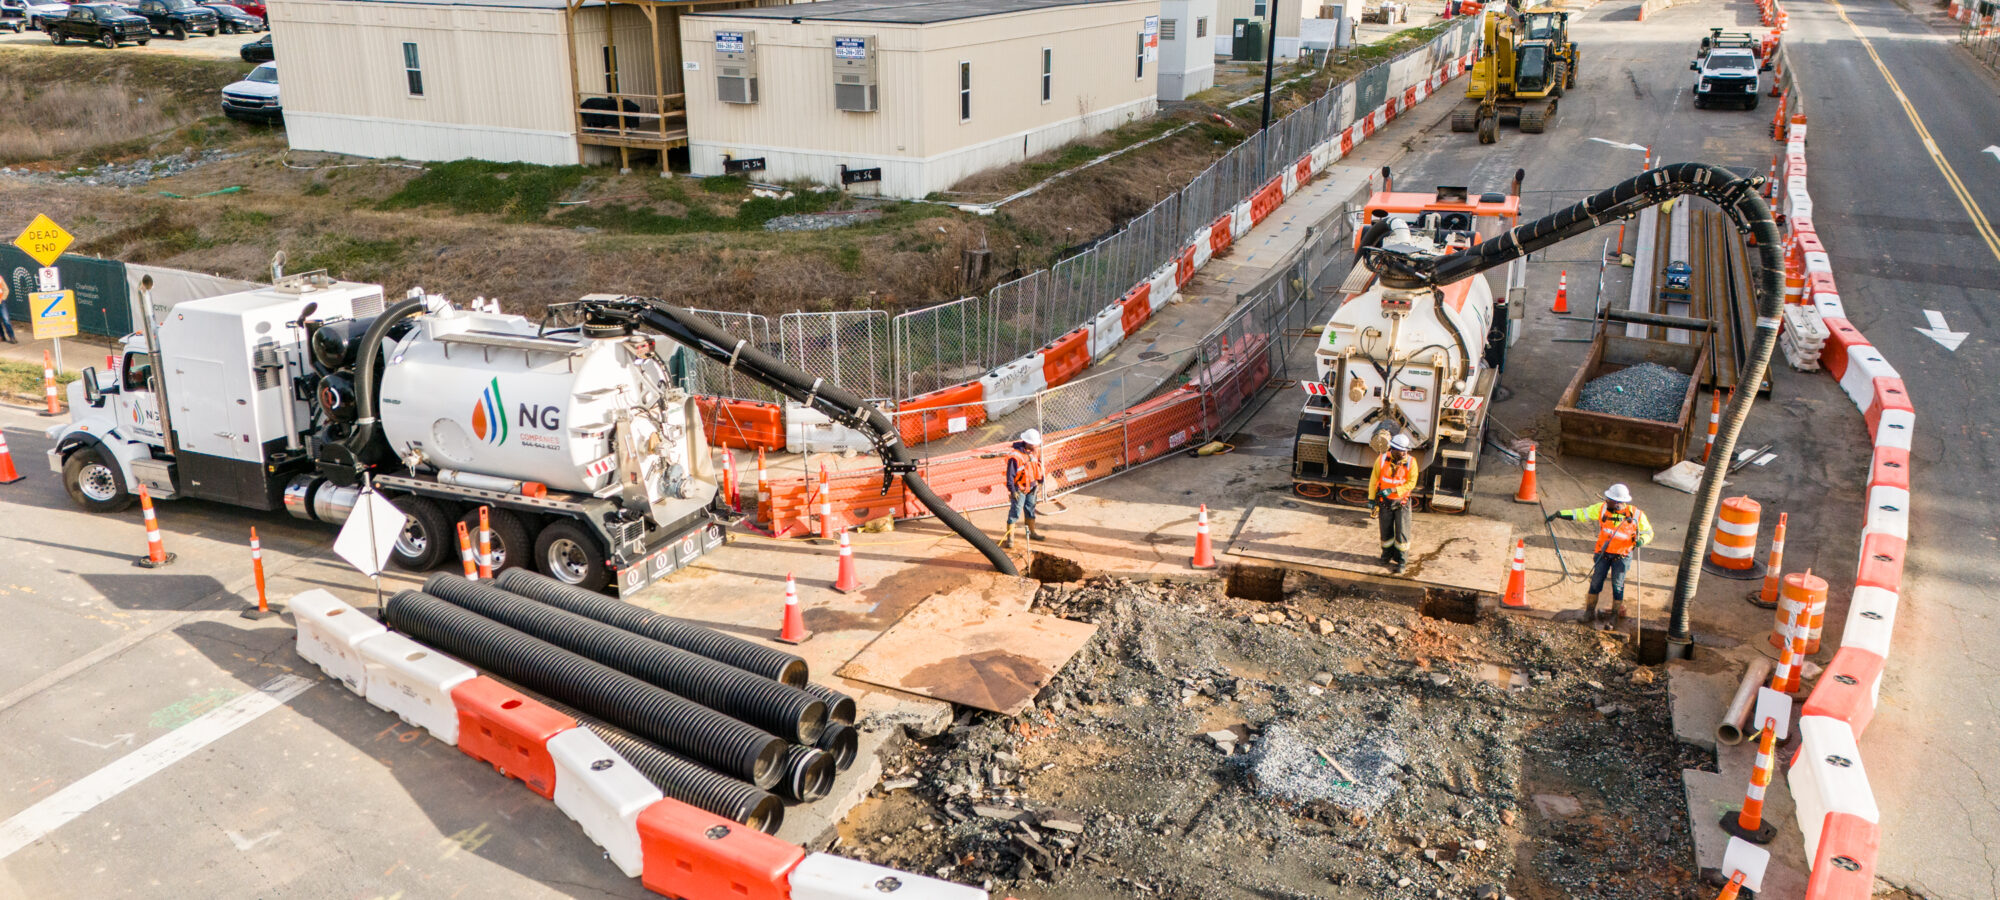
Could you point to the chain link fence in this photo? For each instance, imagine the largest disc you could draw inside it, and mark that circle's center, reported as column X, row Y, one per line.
column 1982, row 40
column 717, row 380
column 850, row 348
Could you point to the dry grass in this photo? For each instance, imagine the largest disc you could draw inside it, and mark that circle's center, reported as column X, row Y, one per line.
column 49, row 121
column 59, row 106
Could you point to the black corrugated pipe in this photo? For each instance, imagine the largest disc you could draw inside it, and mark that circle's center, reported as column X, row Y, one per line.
column 781, row 709
column 808, row 774
column 364, row 375
column 838, row 403
column 841, row 742
column 751, row 657
column 1738, row 199
column 674, row 722
column 839, row 706
column 681, row 778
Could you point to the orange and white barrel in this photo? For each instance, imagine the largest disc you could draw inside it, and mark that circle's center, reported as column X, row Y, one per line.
column 1734, row 545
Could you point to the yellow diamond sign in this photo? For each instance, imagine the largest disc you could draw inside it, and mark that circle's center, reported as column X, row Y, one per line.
column 44, row 240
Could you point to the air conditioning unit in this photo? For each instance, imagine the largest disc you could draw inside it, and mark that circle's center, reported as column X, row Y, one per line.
column 855, row 88
column 736, row 66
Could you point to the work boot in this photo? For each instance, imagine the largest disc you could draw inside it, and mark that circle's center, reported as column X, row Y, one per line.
column 1033, row 535
column 1590, row 608
column 1618, row 613
column 1007, row 542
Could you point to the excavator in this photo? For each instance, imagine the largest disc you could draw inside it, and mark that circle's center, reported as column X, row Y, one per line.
column 1527, row 63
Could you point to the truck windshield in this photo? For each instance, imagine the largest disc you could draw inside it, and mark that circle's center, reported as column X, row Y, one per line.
column 263, row 75
column 1730, row 61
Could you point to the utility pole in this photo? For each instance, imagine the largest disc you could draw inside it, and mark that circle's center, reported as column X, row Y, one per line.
column 1270, row 63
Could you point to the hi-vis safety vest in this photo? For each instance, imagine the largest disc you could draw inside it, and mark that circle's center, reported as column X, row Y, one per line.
column 1617, row 532
column 1027, row 470
column 1395, row 480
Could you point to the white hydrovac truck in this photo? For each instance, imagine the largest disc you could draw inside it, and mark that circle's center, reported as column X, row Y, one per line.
column 579, row 436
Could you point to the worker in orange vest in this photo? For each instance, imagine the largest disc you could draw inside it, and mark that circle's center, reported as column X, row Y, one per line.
column 1621, row 529
column 1025, row 473
column 1390, row 484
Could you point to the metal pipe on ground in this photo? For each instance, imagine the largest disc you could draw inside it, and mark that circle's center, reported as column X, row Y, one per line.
column 1736, row 718
column 781, row 709
column 681, row 778
column 839, row 706
column 672, row 721
column 751, row 657
column 843, row 743
column 808, row 774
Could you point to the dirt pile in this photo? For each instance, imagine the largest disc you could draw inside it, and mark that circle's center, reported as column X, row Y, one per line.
column 1204, row 746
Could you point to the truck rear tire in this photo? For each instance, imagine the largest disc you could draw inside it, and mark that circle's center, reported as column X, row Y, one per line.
column 94, row 482
column 422, row 544
column 569, row 554
column 180, row 31
column 512, row 546
column 109, row 39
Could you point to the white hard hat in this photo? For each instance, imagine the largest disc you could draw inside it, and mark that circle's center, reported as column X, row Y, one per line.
column 1400, row 442
column 1031, row 437
column 1618, row 493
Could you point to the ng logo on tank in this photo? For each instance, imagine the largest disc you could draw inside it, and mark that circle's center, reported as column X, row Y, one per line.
column 490, row 424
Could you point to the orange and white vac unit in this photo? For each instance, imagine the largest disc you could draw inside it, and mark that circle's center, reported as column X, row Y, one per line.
column 1414, row 362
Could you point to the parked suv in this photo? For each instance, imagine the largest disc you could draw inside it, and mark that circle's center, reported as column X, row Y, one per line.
column 178, row 17
column 13, row 15
column 259, row 50
column 255, row 98
column 1727, row 67
column 41, row 14
column 230, row 19
column 104, row 23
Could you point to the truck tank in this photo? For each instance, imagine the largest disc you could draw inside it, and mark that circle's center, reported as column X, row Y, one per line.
column 490, row 395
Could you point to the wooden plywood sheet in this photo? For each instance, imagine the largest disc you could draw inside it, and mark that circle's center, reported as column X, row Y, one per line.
column 972, row 647
column 1454, row 551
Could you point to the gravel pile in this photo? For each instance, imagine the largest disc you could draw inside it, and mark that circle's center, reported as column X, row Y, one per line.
column 1645, row 391
column 1187, row 752
column 821, row 221
column 127, row 174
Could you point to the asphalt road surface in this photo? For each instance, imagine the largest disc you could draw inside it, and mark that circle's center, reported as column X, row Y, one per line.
column 1904, row 192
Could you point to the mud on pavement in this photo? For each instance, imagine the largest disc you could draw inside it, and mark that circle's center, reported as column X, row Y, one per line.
column 1321, row 746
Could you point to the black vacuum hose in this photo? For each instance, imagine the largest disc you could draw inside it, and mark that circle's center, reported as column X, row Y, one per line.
column 781, row 709
column 679, row 724
column 364, row 375
column 755, row 658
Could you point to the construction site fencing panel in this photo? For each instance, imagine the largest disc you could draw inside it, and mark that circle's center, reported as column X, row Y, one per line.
column 850, row 348
column 1984, row 48
column 715, row 379
column 947, row 344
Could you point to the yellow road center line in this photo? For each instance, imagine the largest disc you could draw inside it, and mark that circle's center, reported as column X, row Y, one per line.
column 1979, row 221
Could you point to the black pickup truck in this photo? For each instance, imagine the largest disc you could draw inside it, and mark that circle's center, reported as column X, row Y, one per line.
column 105, row 23
column 178, row 17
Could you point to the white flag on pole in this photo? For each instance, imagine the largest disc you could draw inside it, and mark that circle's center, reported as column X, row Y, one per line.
column 370, row 533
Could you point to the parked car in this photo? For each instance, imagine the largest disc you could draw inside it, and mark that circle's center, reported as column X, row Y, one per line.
column 259, row 50
column 104, row 23
column 255, row 98
column 1726, row 75
column 40, row 14
column 178, row 17
column 233, row 20
column 13, row 15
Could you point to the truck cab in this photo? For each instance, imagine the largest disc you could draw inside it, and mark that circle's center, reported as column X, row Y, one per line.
column 178, row 18
column 1727, row 69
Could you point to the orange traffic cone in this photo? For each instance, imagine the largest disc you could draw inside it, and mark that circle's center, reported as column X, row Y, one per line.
column 49, row 386
column 730, row 488
column 794, row 629
column 1204, row 554
column 1748, row 823
column 156, row 551
column 1733, row 889
column 465, row 554
column 1714, row 423
column 825, row 506
column 763, row 492
column 1526, row 492
column 1562, row 293
column 1517, row 577
column 8, row 475
column 846, row 582
column 263, row 610
column 485, row 546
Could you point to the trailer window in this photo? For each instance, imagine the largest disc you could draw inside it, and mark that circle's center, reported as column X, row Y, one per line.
column 413, row 72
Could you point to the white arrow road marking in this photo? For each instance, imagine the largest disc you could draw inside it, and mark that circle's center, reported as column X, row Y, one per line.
column 37, row 821
column 115, row 741
column 1993, row 149
column 1940, row 333
column 1621, row 146
column 245, row 845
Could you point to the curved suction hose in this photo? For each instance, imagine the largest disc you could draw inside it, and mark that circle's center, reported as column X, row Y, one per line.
column 1738, row 199
column 836, row 402
column 364, row 374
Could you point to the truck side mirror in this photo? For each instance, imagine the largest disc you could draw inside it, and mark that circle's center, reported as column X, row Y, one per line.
column 1694, row 67
column 92, row 394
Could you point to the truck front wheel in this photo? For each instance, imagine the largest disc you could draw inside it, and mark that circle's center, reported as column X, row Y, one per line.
column 94, row 482
column 569, row 554
column 423, row 542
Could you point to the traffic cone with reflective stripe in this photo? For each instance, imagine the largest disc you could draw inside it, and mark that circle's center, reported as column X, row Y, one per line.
column 1526, row 492
column 1204, row 554
column 1771, row 183
column 465, row 554
column 846, row 582
column 730, row 488
column 1749, row 823
column 1714, row 423
column 1562, row 294
column 8, row 474
column 825, row 505
column 156, row 551
column 794, row 629
column 1517, row 578
column 763, row 492
column 1767, row 597
column 263, row 610
column 485, row 545
column 49, row 386
column 1731, row 890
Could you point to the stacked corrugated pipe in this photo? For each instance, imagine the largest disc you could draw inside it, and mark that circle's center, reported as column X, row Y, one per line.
column 708, row 717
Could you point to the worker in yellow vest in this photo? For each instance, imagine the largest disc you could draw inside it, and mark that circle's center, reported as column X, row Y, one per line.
column 1390, row 484
column 1621, row 529
column 1025, row 473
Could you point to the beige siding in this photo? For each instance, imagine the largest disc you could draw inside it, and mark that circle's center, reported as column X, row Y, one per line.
column 1288, row 13
column 795, row 88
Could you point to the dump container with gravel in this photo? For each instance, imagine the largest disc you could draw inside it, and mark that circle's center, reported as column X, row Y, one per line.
column 1633, row 399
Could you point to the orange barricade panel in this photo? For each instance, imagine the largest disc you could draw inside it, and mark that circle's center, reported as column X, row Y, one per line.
column 965, row 483
column 1219, row 235
column 692, row 854
column 1066, row 356
column 1890, row 468
column 1844, row 867
column 1890, row 393
column 509, row 730
column 1842, row 339
column 1162, row 426
column 1077, row 459
column 1138, row 304
column 742, row 424
column 1184, row 267
column 1882, row 562
column 1846, row 689
column 928, row 417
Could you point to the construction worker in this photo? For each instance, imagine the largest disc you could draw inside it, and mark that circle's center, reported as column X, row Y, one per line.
column 1621, row 529
column 1389, row 487
column 1024, row 483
